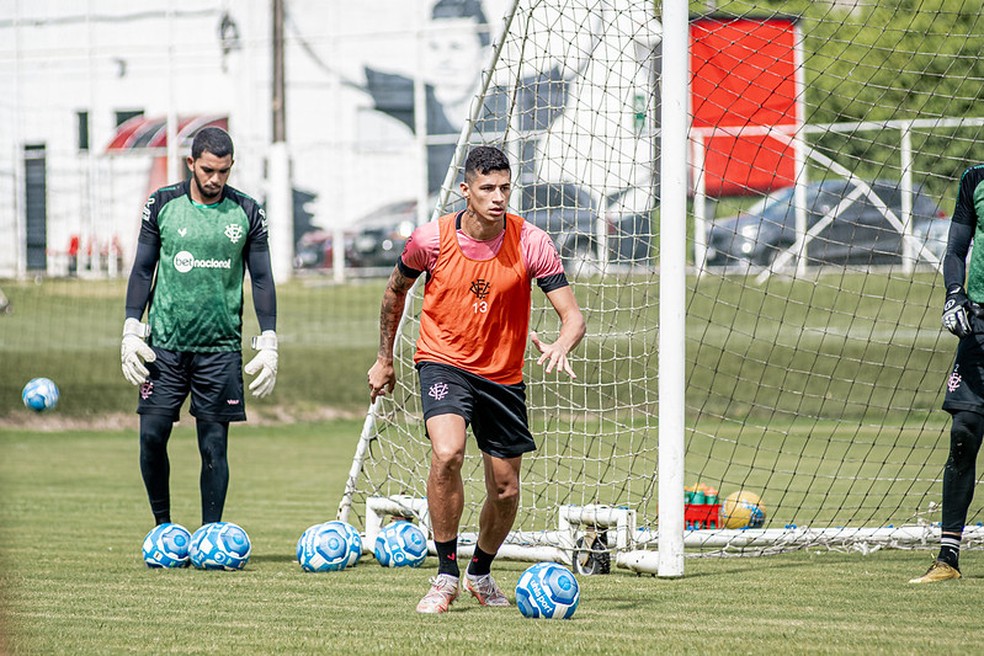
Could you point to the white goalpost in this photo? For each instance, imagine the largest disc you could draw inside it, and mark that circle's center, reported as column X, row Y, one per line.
column 756, row 253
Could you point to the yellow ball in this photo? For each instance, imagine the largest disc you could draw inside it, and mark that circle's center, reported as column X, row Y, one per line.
column 742, row 510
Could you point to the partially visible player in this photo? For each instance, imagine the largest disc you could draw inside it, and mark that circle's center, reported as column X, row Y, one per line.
column 480, row 265
column 197, row 239
column 964, row 317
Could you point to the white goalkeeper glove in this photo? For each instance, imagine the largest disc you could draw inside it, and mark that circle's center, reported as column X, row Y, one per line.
column 265, row 363
column 134, row 351
column 955, row 318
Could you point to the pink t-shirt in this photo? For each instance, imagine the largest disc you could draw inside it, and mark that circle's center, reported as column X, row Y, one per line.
column 539, row 253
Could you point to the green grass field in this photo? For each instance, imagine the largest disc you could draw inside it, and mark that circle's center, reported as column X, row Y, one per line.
column 74, row 514
column 783, row 394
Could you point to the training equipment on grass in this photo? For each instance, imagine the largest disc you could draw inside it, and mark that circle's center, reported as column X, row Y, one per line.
column 324, row 547
column 166, row 546
column 40, row 394
column 220, row 545
column 742, row 509
column 547, row 591
column 401, row 544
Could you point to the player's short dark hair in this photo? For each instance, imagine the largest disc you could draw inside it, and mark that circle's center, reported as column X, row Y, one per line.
column 463, row 9
column 484, row 159
column 212, row 139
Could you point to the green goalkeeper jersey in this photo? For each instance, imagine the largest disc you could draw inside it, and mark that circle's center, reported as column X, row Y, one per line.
column 197, row 301
column 970, row 211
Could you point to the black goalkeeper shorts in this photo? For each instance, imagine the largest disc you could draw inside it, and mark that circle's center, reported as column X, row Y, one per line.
column 496, row 412
column 965, row 384
column 214, row 381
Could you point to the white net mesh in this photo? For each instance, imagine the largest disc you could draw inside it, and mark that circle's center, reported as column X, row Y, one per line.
column 825, row 151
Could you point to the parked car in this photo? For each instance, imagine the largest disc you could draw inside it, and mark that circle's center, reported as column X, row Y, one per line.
column 314, row 250
column 860, row 233
column 568, row 213
column 377, row 239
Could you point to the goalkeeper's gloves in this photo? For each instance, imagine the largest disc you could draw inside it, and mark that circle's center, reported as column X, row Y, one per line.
column 264, row 364
column 134, row 351
column 955, row 318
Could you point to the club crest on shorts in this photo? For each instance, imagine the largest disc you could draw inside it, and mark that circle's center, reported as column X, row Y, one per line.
column 953, row 382
column 146, row 389
column 438, row 391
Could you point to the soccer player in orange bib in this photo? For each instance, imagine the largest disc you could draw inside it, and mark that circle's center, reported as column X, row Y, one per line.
column 480, row 264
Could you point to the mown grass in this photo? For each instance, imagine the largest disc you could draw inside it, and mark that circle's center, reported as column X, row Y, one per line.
column 73, row 514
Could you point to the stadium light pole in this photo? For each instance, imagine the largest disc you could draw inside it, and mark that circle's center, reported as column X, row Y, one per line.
column 672, row 285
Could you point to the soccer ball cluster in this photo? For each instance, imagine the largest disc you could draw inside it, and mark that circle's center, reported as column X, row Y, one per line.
column 329, row 547
column 544, row 590
column 218, row 545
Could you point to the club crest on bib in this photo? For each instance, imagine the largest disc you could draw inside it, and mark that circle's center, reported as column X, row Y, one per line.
column 481, row 288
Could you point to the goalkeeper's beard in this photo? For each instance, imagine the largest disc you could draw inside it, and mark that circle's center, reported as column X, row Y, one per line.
column 205, row 194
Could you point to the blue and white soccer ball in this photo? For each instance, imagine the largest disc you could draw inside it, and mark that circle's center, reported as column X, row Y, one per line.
column 220, row 545
column 167, row 545
column 324, row 548
column 547, row 591
column 40, row 394
column 401, row 544
column 352, row 537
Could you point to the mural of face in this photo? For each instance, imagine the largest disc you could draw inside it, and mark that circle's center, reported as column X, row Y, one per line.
column 454, row 59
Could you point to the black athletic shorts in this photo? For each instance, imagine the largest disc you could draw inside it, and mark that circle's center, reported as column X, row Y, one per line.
column 496, row 413
column 214, row 380
column 965, row 384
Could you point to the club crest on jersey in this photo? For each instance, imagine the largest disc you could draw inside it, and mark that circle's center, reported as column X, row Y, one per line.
column 182, row 231
column 234, row 232
column 480, row 288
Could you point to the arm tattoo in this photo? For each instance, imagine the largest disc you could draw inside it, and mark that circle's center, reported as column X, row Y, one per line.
column 391, row 311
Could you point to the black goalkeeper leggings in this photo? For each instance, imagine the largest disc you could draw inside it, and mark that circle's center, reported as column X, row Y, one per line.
column 213, row 439
column 960, row 472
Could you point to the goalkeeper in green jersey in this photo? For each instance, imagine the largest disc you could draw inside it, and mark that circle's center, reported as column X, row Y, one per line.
column 963, row 316
column 197, row 239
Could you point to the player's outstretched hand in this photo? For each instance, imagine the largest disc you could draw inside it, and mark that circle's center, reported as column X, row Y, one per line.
column 134, row 351
column 381, row 378
column 264, row 364
column 955, row 317
column 554, row 355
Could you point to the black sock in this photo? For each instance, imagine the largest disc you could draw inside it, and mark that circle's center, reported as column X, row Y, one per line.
column 950, row 551
column 155, row 468
column 447, row 557
column 213, row 440
column 481, row 563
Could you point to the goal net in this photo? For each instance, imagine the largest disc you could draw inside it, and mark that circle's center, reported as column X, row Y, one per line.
column 826, row 140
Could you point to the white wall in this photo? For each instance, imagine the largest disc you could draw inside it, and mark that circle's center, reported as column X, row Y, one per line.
column 58, row 57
